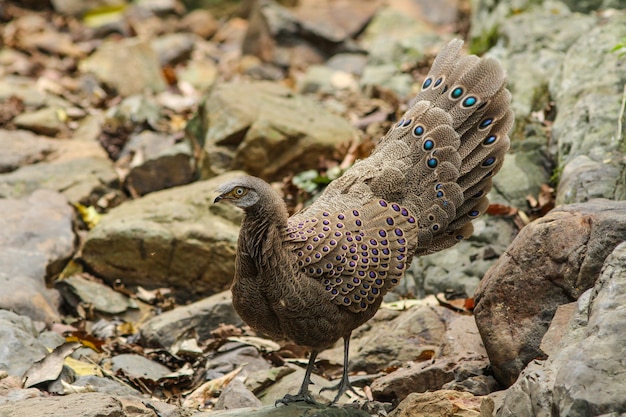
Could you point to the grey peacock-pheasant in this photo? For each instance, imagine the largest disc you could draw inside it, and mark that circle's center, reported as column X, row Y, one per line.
column 316, row 276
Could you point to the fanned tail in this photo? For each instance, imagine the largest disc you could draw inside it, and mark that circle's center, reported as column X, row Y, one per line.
column 447, row 147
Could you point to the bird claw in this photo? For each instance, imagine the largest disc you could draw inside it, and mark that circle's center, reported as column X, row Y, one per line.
column 341, row 388
column 288, row 398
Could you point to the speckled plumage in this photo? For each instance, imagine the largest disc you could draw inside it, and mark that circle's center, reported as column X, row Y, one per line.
column 316, row 276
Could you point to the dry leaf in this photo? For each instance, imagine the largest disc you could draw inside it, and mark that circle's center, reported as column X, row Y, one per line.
column 210, row 389
column 50, row 367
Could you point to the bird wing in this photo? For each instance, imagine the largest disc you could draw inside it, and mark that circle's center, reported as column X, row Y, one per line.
column 358, row 254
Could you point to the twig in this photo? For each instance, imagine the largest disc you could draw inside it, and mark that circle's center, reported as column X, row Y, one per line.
column 621, row 115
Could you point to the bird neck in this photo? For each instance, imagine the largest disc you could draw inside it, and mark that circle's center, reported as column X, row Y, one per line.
column 264, row 223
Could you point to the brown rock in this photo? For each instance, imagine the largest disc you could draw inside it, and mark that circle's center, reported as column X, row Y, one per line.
column 421, row 377
column 439, row 404
column 551, row 262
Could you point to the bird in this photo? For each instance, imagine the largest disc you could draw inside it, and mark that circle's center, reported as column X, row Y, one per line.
column 316, row 276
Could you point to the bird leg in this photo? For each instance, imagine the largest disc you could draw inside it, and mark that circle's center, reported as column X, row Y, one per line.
column 303, row 394
column 343, row 385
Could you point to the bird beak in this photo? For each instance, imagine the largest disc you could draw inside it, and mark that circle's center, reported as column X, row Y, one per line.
column 217, row 199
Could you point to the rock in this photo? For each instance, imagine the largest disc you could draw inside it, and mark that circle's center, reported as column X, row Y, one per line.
column 236, row 395
column 46, row 121
column 420, row 377
column 588, row 107
column 308, row 33
column 387, row 76
column 36, row 239
column 266, row 130
column 583, row 375
column 27, row 91
column 395, row 38
column 393, row 339
column 551, row 262
column 129, row 66
column 173, row 48
column 78, row 290
column 105, row 386
column 22, row 148
column 200, row 22
column 18, row 337
column 290, row 384
column 78, row 169
column 202, row 316
column 137, row 366
column 173, row 238
column 352, row 63
column 227, row 361
column 439, row 404
column 201, row 74
column 296, row 409
column 155, row 162
column 89, row 404
column 322, row 79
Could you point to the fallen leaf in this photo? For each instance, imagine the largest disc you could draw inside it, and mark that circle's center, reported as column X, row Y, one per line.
column 210, row 389
column 263, row 345
column 50, row 367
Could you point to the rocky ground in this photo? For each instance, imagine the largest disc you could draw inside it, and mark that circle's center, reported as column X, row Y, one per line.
column 118, row 119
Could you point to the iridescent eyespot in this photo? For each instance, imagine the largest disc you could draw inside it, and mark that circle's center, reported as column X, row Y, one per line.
column 469, row 101
column 432, row 163
column 418, row 131
column 485, row 123
column 407, row 122
column 489, row 161
column 428, row 145
column 438, row 82
column 456, row 93
column 427, row 82
column 473, row 213
column 490, row 140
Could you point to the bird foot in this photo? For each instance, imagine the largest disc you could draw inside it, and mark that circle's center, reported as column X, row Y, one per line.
column 300, row 397
column 342, row 387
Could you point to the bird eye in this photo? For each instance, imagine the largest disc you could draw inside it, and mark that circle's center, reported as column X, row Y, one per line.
column 239, row 191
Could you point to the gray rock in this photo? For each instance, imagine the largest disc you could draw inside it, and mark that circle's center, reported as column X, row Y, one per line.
column 236, row 395
column 26, row 90
column 22, row 148
column 155, row 162
column 297, row 409
column 323, row 79
column 201, row 74
column 583, row 375
column 90, row 404
column 387, row 76
column 20, row 347
column 137, row 366
column 173, row 238
column 588, row 111
column 130, row 66
column 101, row 298
column 45, row 121
column 394, row 38
column 36, row 239
column 247, row 356
column 554, row 259
column 174, row 48
column 79, row 169
column 202, row 316
column 266, row 130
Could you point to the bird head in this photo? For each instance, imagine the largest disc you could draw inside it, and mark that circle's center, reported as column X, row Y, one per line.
column 240, row 192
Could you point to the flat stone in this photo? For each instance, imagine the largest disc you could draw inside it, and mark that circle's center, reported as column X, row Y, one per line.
column 101, row 298
column 202, row 316
column 155, row 162
column 89, row 404
column 266, row 130
column 46, row 121
column 130, row 66
column 138, row 366
column 439, row 404
column 20, row 347
column 20, row 147
column 174, row 238
column 36, row 239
